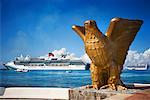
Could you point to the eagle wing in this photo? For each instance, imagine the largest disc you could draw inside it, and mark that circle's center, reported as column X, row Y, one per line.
column 122, row 32
column 80, row 31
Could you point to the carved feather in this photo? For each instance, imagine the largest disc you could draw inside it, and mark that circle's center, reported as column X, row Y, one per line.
column 122, row 32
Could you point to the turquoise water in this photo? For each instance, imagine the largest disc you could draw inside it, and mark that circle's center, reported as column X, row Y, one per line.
column 62, row 78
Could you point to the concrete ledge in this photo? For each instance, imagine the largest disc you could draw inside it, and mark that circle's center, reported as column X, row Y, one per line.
column 137, row 85
column 35, row 93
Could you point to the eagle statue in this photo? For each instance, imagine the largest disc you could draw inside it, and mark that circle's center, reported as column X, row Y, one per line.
column 108, row 52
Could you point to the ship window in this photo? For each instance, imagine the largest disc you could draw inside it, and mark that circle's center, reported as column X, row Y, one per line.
column 76, row 63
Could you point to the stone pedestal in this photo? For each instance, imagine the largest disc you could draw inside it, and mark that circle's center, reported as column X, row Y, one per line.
column 83, row 93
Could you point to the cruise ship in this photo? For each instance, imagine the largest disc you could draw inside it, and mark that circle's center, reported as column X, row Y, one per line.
column 24, row 64
column 138, row 67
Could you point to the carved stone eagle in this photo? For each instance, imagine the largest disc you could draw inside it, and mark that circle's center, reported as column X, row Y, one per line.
column 108, row 52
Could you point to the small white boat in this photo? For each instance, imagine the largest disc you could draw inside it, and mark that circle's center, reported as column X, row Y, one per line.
column 68, row 71
column 21, row 70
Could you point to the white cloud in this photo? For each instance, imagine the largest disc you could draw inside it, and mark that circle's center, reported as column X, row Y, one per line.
column 85, row 58
column 63, row 51
column 134, row 57
column 60, row 52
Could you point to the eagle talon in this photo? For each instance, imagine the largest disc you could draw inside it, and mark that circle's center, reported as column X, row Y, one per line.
column 113, row 87
column 89, row 86
column 95, row 87
column 119, row 87
column 92, row 86
column 104, row 87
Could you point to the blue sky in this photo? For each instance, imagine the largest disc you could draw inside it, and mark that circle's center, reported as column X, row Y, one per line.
column 36, row 27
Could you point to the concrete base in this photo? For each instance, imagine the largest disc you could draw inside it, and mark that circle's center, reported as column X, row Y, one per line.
column 83, row 93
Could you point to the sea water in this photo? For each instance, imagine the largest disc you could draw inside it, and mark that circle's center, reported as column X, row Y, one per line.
column 63, row 78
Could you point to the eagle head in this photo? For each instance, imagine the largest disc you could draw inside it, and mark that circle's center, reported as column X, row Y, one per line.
column 90, row 25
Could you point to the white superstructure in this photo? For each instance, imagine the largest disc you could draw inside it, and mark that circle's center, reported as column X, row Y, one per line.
column 138, row 67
